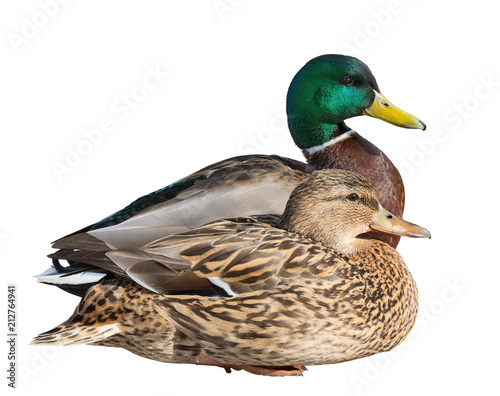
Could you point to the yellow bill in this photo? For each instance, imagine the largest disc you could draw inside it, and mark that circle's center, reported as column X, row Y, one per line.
column 384, row 110
column 390, row 224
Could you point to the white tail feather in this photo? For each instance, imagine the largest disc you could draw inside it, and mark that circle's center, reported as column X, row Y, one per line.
column 53, row 277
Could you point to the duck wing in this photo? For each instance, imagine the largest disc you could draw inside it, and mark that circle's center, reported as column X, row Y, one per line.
column 238, row 255
column 239, row 186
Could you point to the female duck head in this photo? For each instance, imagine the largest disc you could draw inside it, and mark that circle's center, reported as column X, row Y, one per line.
column 330, row 89
column 334, row 207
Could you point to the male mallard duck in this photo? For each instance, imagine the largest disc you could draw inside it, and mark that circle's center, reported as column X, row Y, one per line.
column 325, row 92
column 328, row 90
column 306, row 291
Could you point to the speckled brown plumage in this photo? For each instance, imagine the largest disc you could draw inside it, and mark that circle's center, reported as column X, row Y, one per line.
column 354, row 307
column 300, row 298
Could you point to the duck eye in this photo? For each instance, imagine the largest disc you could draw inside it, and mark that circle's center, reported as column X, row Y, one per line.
column 353, row 197
column 347, row 81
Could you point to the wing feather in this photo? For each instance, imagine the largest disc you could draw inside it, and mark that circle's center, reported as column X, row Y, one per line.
column 245, row 251
column 264, row 184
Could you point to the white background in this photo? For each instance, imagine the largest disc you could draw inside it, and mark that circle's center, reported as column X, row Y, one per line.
column 64, row 70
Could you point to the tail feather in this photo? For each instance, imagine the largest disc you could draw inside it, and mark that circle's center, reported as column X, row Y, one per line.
column 73, row 334
column 72, row 279
column 94, row 319
column 87, row 259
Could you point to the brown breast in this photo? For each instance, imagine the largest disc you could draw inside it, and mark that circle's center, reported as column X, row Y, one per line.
column 358, row 155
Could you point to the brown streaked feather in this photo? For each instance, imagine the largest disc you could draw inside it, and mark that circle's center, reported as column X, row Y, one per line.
column 188, row 282
column 243, row 252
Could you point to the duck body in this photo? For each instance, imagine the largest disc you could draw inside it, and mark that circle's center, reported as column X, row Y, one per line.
column 328, row 309
column 283, row 299
column 339, row 310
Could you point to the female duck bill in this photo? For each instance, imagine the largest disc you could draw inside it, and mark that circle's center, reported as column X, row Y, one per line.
column 390, row 224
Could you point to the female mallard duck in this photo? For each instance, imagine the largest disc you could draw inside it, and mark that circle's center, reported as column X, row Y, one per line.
column 325, row 92
column 306, row 291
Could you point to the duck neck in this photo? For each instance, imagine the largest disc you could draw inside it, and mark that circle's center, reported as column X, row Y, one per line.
column 321, row 150
column 315, row 139
column 337, row 236
column 312, row 136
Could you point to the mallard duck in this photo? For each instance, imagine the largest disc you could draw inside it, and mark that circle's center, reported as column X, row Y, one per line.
column 287, row 292
column 326, row 91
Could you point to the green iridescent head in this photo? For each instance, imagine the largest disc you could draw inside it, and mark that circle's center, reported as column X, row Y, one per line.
column 330, row 89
